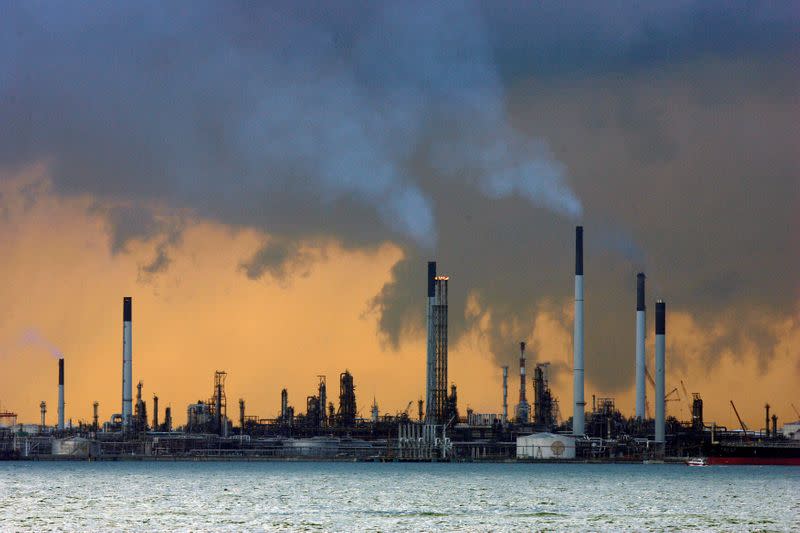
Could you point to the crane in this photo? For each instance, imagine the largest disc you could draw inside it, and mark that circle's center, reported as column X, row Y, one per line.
column 649, row 377
column 670, row 393
column 688, row 403
column 741, row 422
column 653, row 384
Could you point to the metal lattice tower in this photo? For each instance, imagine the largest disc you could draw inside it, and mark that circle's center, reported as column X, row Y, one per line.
column 218, row 404
column 439, row 312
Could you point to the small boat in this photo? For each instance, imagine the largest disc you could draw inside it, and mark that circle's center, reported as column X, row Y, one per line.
column 697, row 461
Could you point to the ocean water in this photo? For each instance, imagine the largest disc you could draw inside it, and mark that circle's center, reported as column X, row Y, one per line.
column 297, row 496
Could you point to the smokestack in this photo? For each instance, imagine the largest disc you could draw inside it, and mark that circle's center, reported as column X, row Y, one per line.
column 127, row 363
column 641, row 356
column 505, row 395
column 774, row 426
column 61, row 393
column 168, row 419
column 430, row 383
column 660, row 369
column 43, row 411
column 95, row 417
column 579, row 405
column 522, row 376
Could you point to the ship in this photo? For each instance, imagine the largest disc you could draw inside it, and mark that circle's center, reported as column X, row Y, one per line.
column 784, row 453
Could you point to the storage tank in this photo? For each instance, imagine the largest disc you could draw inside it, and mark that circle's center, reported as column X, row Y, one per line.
column 75, row 447
column 545, row 446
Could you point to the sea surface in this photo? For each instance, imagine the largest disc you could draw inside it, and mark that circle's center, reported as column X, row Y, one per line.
column 313, row 496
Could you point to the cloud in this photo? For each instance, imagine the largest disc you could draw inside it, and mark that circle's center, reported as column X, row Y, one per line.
column 471, row 133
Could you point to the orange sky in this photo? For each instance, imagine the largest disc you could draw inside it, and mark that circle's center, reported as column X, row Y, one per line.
column 60, row 279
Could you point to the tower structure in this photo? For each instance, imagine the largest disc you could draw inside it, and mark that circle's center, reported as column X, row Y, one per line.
column 641, row 356
column 127, row 362
column 284, row 406
column 347, row 400
column 523, row 411
column 323, row 399
column 155, row 413
column 544, row 404
column 439, row 312
column 219, row 403
column 61, row 393
column 579, row 404
column 430, row 360
column 140, row 412
column 660, row 371
column 505, row 394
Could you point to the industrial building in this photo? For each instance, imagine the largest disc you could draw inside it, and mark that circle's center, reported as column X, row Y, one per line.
column 436, row 432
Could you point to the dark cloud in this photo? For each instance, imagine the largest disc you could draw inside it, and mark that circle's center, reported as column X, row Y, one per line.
column 127, row 223
column 476, row 134
column 280, row 259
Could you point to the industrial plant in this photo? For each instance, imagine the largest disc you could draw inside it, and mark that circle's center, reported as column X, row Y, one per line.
column 323, row 426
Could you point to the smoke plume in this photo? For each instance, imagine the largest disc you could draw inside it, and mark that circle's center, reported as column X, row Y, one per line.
column 467, row 132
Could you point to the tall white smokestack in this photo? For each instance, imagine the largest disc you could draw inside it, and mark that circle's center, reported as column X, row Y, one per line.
column 505, row 395
column 61, row 393
column 641, row 357
column 577, row 388
column 127, row 363
column 430, row 383
column 660, row 359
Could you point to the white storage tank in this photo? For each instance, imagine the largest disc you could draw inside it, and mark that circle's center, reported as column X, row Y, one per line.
column 75, row 447
column 545, row 446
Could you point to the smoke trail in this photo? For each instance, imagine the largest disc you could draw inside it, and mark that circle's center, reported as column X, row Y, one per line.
column 307, row 130
column 32, row 338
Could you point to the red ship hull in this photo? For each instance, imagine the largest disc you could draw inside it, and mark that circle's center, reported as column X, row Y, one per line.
column 777, row 461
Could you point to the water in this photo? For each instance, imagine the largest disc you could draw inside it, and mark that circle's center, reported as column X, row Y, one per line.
column 260, row 496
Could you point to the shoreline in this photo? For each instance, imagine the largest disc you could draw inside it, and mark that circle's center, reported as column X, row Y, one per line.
column 229, row 459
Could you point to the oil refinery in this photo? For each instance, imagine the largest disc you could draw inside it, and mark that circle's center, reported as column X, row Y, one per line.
column 321, row 428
